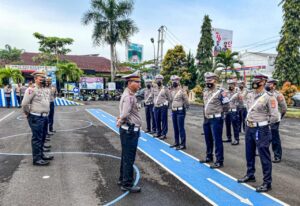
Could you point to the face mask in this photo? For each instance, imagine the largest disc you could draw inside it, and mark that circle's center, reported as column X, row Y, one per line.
column 159, row 84
column 148, row 86
column 231, row 88
column 241, row 87
column 175, row 84
column 255, row 85
column 43, row 82
column 209, row 85
column 268, row 88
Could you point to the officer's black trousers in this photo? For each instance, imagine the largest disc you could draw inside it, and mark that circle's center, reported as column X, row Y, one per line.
column 8, row 99
column 150, row 118
column 276, row 143
column 37, row 124
column 242, row 118
column 178, row 118
column 129, row 142
column 51, row 116
column 259, row 137
column 232, row 118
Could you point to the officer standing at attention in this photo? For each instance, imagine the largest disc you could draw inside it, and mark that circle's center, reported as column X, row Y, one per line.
column 130, row 123
column 148, row 103
column 276, row 143
column 215, row 103
column 179, row 105
column 161, row 105
column 35, row 105
column 53, row 94
column 242, row 110
column 262, row 111
column 46, row 135
column 232, row 117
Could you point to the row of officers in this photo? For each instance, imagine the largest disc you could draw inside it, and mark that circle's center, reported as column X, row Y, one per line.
column 38, row 107
column 256, row 112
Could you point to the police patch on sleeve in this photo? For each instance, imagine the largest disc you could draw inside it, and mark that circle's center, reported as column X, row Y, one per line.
column 273, row 103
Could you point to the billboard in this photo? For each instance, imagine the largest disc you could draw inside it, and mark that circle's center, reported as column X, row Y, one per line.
column 91, row 83
column 69, row 87
column 222, row 40
column 134, row 53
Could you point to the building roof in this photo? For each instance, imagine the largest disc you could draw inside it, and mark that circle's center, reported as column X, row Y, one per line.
column 260, row 54
column 84, row 62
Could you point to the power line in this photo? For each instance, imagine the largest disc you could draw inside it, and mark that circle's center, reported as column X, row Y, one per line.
column 261, row 45
column 184, row 45
column 254, row 43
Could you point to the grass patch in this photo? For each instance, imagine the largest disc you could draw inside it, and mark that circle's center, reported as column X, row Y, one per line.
column 293, row 113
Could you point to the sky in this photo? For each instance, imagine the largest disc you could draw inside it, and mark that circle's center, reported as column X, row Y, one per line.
column 256, row 23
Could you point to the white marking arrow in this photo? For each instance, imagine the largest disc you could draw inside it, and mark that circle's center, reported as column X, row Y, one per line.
column 103, row 116
column 243, row 200
column 174, row 158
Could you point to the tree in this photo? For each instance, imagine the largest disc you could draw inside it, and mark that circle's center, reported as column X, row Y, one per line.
column 68, row 72
column 8, row 73
column 192, row 70
column 51, row 48
column 287, row 63
column 10, row 55
column 204, row 51
column 175, row 63
column 111, row 25
column 227, row 60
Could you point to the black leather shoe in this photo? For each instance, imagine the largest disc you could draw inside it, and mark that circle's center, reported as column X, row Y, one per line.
column 53, row 131
column 152, row 132
column 147, row 131
column 181, row 147
column 156, row 135
column 246, row 179
column 276, row 160
column 227, row 141
column 217, row 165
column 235, row 142
column 46, row 150
column 206, row 160
column 263, row 188
column 174, row 145
column 119, row 183
column 49, row 157
column 41, row 163
column 48, row 139
column 162, row 137
column 47, row 146
column 133, row 189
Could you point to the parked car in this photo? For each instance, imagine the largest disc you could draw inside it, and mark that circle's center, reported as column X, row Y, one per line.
column 296, row 99
column 140, row 94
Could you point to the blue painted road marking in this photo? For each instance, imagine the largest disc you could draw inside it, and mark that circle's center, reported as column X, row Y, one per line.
column 214, row 186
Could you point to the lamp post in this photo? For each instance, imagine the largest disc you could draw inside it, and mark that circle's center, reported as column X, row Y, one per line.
column 155, row 61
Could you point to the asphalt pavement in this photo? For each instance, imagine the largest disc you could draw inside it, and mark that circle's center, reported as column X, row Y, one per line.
column 86, row 165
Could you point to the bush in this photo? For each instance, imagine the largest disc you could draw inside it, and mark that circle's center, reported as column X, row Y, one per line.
column 288, row 90
column 198, row 90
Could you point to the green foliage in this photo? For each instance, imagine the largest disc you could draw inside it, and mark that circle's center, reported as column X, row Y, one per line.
column 287, row 63
column 175, row 63
column 10, row 55
column 227, row 60
column 141, row 66
column 204, row 50
column 198, row 90
column 68, row 72
column 288, row 90
column 192, row 70
column 14, row 74
column 111, row 24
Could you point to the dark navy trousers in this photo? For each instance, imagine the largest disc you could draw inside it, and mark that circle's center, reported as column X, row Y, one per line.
column 261, row 138
column 129, row 143
column 232, row 118
column 37, row 125
column 213, row 129
column 276, row 143
column 178, row 118
column 242, row 118
column 51, row 116
column 150, row 118
column 161, row 120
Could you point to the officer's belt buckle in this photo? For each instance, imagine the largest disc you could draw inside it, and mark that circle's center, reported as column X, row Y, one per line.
column 251, row 124
column 125, row 127
column 177, row 108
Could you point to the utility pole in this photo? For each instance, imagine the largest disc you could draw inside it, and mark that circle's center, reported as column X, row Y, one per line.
column 160, row 45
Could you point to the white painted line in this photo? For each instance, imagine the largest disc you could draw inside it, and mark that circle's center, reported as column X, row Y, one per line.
column 243, row 200
column 142, row 138
column 46, row 177
column 7, row 116
column 112, row 121
column 174, row 158
column 103, row 115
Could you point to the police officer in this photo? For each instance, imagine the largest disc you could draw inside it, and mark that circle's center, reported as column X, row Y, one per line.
column 35, row 105
column 129, row 123
column 232, row 117
column 242, row 110
column 179, row 105
column 262, row 110
column 161, row 104
column 46, row 135
column 215, row 103
column 148, row 103
column 53, row 94
column 276, row 143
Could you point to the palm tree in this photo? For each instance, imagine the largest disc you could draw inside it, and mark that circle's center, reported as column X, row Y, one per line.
column 8, row 73
column 227, row 60
column 111, row 24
